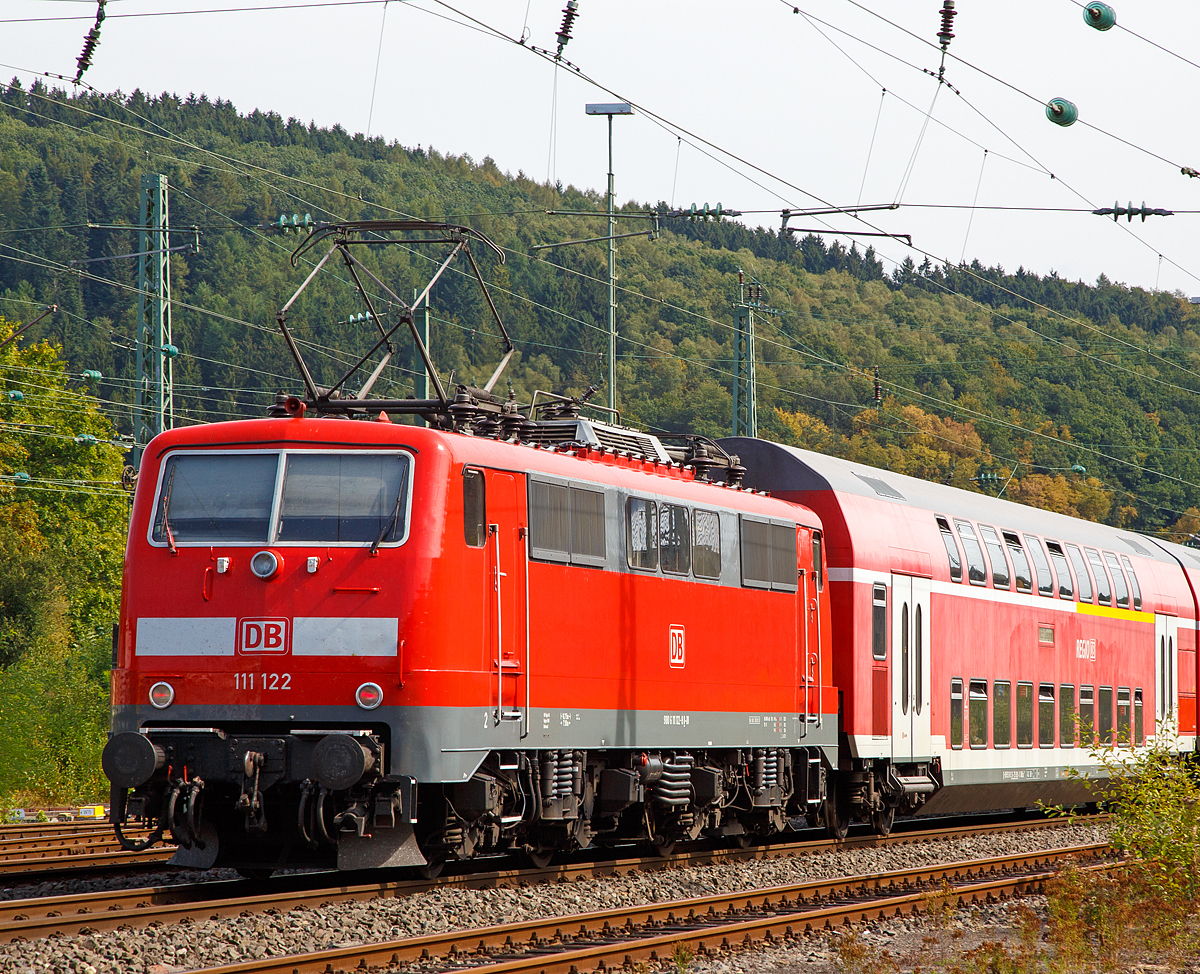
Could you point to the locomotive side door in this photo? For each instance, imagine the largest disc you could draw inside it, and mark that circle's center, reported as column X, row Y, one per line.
column 507, row 649
column 910, row 668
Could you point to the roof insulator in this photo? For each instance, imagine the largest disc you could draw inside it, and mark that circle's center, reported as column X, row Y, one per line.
column 946, row 35
column 570, row 12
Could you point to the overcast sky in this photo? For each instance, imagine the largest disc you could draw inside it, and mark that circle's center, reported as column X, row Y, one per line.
column 799, row 100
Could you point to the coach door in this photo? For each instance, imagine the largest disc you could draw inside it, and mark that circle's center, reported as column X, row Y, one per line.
column 508, row 625
column 1166, row 632
column 910, row 668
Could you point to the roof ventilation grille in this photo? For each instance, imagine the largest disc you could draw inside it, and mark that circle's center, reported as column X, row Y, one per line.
column 881, row 487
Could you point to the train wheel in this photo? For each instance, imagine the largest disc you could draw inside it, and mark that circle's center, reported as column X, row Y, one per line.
column 663, row 847
column 539, row 858
column 882, row 820
column 744, row 841
column 432, row 869
column 837, row 815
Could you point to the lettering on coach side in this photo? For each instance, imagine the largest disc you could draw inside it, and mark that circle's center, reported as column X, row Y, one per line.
column 258, row 637
column 676, row 647
column 1085, row 649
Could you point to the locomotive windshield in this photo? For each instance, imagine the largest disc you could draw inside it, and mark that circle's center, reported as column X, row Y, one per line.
column 324, row 498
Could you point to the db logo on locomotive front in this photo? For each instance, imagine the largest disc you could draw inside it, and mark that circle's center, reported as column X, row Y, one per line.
column 263, row 636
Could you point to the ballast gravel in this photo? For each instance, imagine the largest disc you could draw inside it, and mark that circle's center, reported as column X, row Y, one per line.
column 166, row 949
column 33, row 888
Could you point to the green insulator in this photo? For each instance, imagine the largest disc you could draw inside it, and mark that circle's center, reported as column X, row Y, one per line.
column 170, row 351
column 16, row 395
column 1100, row 15
column 1061, row 112
column 1078, row 468
column 21, row 477
column 92, row 375
column 86, row 439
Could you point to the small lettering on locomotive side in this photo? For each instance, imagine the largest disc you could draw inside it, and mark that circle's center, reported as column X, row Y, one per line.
column 1085, row 649
column 677, row 720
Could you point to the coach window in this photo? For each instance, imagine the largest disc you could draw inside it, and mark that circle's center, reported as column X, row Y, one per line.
column 976, row 569
column 474, row 510
column 1044, row 579
column 1139, row 728
column 977, row 716
column 641, row 538
column 951, row 550
column 1121, row 590
column 1024, row 715
column 956, row 714
column 1021, row 572
column 904, row 659
column 1065, row 591
column 706, row 544
column 1000, row 577
column 818, row 562
column 1124, row 717
column 1103, row 589
column 1081, row 573
column 1133, row 583
column 1046, row 715
column 879, row 622
column 1001, row 714
column 1087, row 715
column 1066, row 715
column 1104, row 715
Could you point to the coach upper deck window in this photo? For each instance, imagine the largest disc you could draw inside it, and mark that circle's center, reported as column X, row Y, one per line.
column 1082, row 576
column 1044, row 579
column 1118, row 577
column 976, row 569
column 1133, row 583
column 951, row 549
column 1065, row 589
column 1021, row 573
column 641, row 536
column 1103, row 589
column 706, row 544
column 1000, row 578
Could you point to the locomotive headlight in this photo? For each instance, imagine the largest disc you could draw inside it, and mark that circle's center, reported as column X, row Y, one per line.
column 266, row 564
column 162, row 695
column 369, row 696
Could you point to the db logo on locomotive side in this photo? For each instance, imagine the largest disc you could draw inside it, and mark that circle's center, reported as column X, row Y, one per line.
column 676, row 651
column 263, row 636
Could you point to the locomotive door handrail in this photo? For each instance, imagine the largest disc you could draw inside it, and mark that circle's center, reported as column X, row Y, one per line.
column 500, row 714
column 805, row 668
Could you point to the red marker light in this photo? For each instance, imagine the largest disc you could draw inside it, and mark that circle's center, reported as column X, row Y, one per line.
column 369, row 696
column 162, row 695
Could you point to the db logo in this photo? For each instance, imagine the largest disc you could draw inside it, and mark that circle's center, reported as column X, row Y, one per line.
column 263, row 636
column 676, row 652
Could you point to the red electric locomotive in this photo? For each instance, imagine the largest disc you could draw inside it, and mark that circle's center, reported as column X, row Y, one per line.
column 977, row 642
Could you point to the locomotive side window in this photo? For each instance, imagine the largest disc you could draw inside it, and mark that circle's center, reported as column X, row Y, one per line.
column 956, row 714
column 976, row 570
column 1139, row 727
column 216, row 499
column 783, row 557
column 1118, row 578
column 768, row 554
column 1065, row 591
column 549, row 521
column 818, row 562
column 1087, row 715
column 1044, row 579
column 1103, row 590
column 978, row 715
column 995, row 551
column 1124, row 717
column 674, row 539
column 879, row 622
column 641, row 538
column 1133, row 582
column 951, row 550
column 333, row 497
column 706, row 544
column 1002, row 714
column 1104, row 715
column 1021, row 572
column 1046, row 715
column 1066, row 715
column 587, row 527
column 1024, row 715
column 474, row 509
column 1081, row 574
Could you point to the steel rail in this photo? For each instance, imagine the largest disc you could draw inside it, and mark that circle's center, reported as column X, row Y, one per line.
column 76, row 859
column 73, row 913
column 652, row 932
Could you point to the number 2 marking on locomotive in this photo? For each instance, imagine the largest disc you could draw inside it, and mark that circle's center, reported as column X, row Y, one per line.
column 269, row 681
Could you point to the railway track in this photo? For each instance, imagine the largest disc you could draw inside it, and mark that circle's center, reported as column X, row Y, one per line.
column 40, row 849
column 75, row 913
column 651, row 933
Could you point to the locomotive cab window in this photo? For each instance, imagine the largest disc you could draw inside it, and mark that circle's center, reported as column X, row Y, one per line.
column 951, row 549
column 956, row 714
column 1103, row 589
column 995, row 550
column 977, row 717
column 1133, row 583
column 1120, row 586
column 1045, row 581
column 1021, row 572
column 706, row 544
column 216, row 498
column 1065, row 589
column 474, row 508
column 1002, row 714
column 641, row 538
column 976, row 569
column 1081, row 573
column 333, row 497
column 879, row 622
